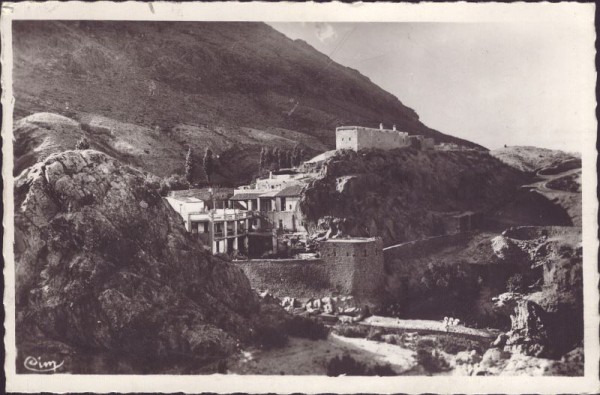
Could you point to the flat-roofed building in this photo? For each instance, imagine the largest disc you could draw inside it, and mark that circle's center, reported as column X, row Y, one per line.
column 222, row 230
column 359, row 137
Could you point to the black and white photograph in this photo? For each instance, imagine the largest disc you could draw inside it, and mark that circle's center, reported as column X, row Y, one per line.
column 296, row 196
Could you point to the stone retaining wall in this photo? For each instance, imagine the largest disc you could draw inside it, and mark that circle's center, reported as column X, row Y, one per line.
column 299, row 278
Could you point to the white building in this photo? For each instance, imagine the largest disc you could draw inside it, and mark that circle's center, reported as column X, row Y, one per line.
column 358, row 137
column 222, row 230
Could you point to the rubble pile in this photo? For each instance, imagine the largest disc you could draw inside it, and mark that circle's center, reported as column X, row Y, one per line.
column 343, row 308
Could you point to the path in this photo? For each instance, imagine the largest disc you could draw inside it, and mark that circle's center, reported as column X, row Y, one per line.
column 428, row 326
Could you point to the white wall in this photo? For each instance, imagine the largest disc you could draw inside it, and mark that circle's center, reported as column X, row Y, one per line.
column 346, row 139
column 183, row 208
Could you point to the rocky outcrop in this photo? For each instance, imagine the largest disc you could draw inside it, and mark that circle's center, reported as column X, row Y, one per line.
column 506, row 250
column 403, row 194
column 550, row 259
column 103, row 263
column 528, row 334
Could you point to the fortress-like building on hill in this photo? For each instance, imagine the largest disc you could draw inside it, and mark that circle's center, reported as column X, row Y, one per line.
column 359, row 137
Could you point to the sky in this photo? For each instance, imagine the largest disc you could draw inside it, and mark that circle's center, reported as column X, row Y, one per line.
column 492, row 83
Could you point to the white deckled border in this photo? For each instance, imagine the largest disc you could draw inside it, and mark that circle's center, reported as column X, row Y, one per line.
column 549, row 14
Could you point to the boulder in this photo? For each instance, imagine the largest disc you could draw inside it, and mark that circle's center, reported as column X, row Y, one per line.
column 102, row 262
column 507, row 250
column 467, row 357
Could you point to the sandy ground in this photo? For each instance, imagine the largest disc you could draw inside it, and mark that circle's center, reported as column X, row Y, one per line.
column 303, row 357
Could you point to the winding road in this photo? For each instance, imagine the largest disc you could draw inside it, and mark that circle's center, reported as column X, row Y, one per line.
column 542, row 185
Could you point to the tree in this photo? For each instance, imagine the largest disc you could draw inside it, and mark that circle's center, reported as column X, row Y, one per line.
column 209, row 164
column 300, row 156
column 190, row 166
column 273, row 158
column 280, row 159
column 82, row 144
column 268, row 158
column 295, row 156
column 287, row 159
column 263, row 159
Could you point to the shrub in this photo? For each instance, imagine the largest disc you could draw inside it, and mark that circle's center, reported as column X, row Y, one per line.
column 269, row 337
column 451, row 288
column 306, row 328
column 393, row 309
column 453, row 345
column 173, row 183
column 82, row 144
column 346, row 365
column 430, row 358
column 516, row 283
column 352, row 330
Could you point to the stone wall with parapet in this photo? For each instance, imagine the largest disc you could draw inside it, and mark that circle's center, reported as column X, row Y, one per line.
column 346, row 267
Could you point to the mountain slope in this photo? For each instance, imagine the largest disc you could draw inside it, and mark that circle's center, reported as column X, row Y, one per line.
column 217, row 77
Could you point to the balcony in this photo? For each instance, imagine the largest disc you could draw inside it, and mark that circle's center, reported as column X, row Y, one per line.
column 221, row 215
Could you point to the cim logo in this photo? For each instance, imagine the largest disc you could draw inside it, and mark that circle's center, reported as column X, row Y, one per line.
column 39, row 365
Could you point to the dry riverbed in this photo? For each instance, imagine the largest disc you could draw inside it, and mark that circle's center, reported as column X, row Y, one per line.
column 310, row 357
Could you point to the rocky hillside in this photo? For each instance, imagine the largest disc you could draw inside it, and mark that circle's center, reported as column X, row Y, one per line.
column 233, row 87
column 557, row 183
column 102, row 263
column 401, row 194
column 531, row 159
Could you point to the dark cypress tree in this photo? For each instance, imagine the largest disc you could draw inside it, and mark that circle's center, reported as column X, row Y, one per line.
column 281, row 157
column 276, row 157
column 190, row 166
column 296, row 156
column 263, row 159
column 288, row 158
column 268, row 157
column 208, row 164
